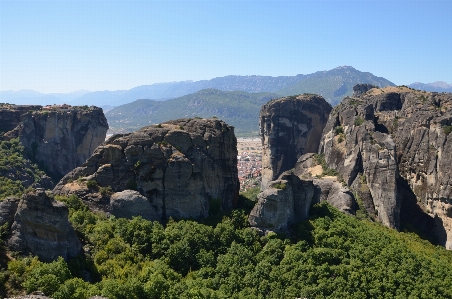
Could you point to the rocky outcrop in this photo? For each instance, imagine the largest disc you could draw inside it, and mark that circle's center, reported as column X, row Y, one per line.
column 184, row 168
column 327, row 188
column 58, row 138
column 8, row 207
column 286, row 201
column 41, row 227
column 389, row 138
column 11, row 115
column 360, row 89
column 129, row 203
column 421, row 132
column 289, row 199
column 289, row 128
column 356, row 145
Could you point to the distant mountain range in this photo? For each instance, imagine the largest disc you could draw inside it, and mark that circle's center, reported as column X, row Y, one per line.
column 333, row 85
column 238, row 108
column 438, row 86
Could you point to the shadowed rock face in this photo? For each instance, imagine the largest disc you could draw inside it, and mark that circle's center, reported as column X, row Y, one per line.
column 59, row 139
column 184, row 168
column 393, row 135
column 41, row 227
column 360, row 89
column 289, row 128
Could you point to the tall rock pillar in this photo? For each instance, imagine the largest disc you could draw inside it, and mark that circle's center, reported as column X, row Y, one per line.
column 290, row 127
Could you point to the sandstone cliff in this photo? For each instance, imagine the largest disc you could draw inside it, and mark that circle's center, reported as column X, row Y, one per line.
column 57, row 138
column 390, row 143
column 41, row 227
column 183, row 168
column 289, row 128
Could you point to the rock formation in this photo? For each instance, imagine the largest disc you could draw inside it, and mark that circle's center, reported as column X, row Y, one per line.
column 8, row 207
column 184, row 168
column 289, row 128
column 288, row 199
column 392, row 137
column 41, row 226
column 360, row 89
column 327, row 187
column 59, row 138
column 353, row 145
column 129, row 203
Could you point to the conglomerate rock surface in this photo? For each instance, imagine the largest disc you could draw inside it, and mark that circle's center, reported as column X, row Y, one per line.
column 57, row 138
column 395, row 143
column 290, row 127
column 184, row 168
column 41, row 226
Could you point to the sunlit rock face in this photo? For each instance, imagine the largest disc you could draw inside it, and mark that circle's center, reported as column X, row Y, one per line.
column 290, row 127
column 184, row 168
column 59, row 138
column 394, row 141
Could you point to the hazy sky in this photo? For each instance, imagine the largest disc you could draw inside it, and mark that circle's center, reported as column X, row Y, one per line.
column 62, row 46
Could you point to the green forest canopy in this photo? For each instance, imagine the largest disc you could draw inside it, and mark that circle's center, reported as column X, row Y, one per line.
column 332, row 255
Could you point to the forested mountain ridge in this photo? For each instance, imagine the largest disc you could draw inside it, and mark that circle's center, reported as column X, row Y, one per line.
column 241, row 109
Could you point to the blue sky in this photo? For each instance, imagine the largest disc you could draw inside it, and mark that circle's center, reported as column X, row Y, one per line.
column 63, row 46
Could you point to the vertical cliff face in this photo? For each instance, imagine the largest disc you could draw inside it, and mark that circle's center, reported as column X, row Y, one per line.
column 41, row 227
column 57, row 139
column 354, row 146
column 390, row 145
column 289, row 128
column 184, row 168
column 424, row 146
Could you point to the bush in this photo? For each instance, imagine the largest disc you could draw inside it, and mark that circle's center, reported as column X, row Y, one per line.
column 359, row 121
column 339, row 130
column 91, row 184
column 280, row 185
column 47, row 277
column 104, row 191
column 447, row 129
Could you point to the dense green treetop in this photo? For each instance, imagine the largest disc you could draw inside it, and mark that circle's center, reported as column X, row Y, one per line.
column 332, row 255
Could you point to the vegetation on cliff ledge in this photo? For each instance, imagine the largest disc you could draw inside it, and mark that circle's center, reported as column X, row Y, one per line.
column 330, row 256
column 15, row 170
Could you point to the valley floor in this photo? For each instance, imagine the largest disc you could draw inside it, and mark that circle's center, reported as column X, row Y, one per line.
column 249, row 162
